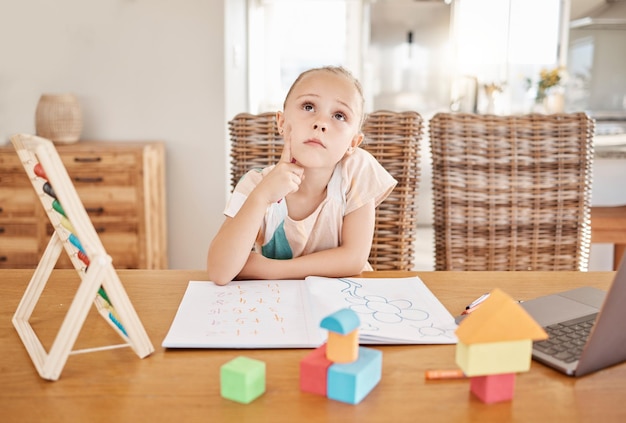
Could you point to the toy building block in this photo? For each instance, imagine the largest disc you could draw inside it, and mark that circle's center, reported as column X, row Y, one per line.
column 497, row 337
column 343, row 336
column 494, row 357
column 343, row 348
column 493, row 388
column 242, row 379
column 352, row 382
column 314, row 371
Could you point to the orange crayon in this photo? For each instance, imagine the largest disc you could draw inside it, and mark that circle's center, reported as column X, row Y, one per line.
column 444, row 374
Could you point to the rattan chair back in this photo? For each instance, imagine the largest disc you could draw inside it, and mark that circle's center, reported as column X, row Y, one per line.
column 392, row 137
column 511, row 192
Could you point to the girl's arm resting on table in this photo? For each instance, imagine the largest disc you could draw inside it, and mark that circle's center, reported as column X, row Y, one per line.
column 346, row 260
column 231, row 246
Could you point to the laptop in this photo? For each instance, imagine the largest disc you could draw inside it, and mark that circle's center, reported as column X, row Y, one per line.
column 586, row 327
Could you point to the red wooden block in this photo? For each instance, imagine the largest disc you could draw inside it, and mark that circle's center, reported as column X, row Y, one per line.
column 493, row 388
column 314, row 371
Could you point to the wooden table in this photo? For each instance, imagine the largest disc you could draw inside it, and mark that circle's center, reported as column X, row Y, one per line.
column 183, row 385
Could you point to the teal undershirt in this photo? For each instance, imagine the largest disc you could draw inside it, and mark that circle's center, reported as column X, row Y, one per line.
column 278, row 247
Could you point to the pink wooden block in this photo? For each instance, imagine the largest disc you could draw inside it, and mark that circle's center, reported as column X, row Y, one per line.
column 314, row 371
column 493, row 388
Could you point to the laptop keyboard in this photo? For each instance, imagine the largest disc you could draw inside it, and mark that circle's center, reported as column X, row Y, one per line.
column 566, row 340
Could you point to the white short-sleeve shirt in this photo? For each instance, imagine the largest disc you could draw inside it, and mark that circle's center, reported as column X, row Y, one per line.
column 357, row 179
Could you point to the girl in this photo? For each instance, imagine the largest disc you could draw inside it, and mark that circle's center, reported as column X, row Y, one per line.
column 313, row 212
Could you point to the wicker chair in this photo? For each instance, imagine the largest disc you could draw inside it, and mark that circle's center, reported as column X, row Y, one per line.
column 511, row 192
column 392, row 137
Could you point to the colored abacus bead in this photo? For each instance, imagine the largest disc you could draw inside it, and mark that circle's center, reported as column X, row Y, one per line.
column 57, row 206
column 38, row 169
column 47, row 188
column 83, row 257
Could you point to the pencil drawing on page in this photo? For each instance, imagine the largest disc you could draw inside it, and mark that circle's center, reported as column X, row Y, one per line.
column 382, row 310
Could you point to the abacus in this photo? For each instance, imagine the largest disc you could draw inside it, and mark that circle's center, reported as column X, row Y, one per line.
column 74, row 232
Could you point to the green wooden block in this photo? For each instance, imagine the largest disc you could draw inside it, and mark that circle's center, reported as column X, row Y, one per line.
column 242, row 379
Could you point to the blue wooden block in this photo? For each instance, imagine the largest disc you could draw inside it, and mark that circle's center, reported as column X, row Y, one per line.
column 343, row 321
column 352, row 382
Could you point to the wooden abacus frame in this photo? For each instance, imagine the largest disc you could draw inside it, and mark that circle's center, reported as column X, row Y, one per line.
column 100, row 284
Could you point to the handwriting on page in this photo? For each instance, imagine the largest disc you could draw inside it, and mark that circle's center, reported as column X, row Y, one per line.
column 245, row 310
column 244, row 314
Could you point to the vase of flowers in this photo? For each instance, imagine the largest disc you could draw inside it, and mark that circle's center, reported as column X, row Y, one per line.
column 492, row 90
column 549, row 94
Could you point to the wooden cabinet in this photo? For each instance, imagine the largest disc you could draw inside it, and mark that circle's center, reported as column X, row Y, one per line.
column 121, row 185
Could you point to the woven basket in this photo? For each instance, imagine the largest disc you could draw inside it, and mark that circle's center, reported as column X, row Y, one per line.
column 59, row 118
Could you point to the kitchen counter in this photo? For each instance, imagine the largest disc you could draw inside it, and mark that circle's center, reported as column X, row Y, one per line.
column 617, row 151
column 609, row 170
column 610, row 140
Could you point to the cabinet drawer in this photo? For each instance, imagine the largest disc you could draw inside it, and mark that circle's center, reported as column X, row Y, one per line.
column 120, row 240
column 18, row 245
column 18, row 202
column 106, row 227
column 18, row 260
column 97, row 178
column 123, row 247
column 10, row 161
column 99, row 161
column 109, row 200
column 15, row 179
column 17, row 231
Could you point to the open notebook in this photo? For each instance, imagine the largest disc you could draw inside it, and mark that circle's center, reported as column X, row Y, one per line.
column 287, row 313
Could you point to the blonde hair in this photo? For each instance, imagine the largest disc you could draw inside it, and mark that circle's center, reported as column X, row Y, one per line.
column 337, row 70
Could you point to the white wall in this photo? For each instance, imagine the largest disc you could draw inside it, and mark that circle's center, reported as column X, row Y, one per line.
column 142, row 70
